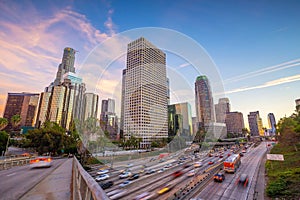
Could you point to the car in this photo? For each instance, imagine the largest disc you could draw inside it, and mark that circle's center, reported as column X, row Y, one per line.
column 150, row 171
column 134, row 176
column 228, row 155
column 197, row 164
column 125, row 183
column 41, row 161
column 211, row 162
column 144, row 196
column 105, row 171
column 242, row 180
column 161, row 170
column 102, row 177
column 177, row 174
column 191, row 173
column 116, row 194
column 244, row 151
column 216, row 155
column 125, row 175
column 106, row 185
column 221, row 156
column 219, row 177
column 165, row 189
column 241, row 154
column 168, row 165
column 210, row 155
column 186, row 166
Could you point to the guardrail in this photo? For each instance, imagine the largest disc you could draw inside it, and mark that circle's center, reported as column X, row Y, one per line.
column 84, row 187
column 10, row 162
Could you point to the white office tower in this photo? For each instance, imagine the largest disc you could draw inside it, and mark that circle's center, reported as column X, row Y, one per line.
column 145, row 97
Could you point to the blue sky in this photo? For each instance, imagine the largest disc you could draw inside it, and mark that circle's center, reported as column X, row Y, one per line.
column 247, row 40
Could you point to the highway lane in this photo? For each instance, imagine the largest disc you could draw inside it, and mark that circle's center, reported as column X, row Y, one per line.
column 228, row 188
column 16, row 181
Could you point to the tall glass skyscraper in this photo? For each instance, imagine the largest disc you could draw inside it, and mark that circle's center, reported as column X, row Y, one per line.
column 67, row 65
column 272, row 123
column 255, row 124
column 145, row 98
column 204, row 102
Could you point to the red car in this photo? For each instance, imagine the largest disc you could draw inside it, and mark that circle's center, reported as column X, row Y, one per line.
column 210, row 162
column 221, row 156
column 177, row 174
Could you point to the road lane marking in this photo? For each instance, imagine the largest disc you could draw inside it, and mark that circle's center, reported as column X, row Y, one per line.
column 11, row 174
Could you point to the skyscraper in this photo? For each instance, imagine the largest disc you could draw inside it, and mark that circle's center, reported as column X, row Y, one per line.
column 255, row 124
column 122, row 104
column 272, row 124
column 185, row 128
column 234, row 123
column 145, row 98
column 23, row 104
column 90, row 105
column 297, row 101
column 66, row 65
column 221, row 109
column 42, row 109
column 108, row 118
column 204, row 102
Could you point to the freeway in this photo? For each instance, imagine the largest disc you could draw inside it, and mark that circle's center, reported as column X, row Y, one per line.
column 17, row 181
column 152, row 183
column 229, row 189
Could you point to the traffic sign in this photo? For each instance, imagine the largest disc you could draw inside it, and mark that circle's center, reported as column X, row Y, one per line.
column 275, row 157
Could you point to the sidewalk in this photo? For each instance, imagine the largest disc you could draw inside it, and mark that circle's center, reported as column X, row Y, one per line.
column 55, row 186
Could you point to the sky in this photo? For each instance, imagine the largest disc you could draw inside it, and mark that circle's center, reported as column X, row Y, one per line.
column 253, row 46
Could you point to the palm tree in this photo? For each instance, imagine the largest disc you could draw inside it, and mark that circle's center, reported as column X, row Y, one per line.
column 3, row 123
column 15, row 121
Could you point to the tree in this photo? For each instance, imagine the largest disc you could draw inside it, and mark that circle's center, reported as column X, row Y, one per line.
column 15, row 121
column 3, row 123
column 50, row 138
column 3, row 141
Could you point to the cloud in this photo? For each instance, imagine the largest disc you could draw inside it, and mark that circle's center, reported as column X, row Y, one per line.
column 183, row 65
column 285, row 65
column 32, row 42
column 267, row 84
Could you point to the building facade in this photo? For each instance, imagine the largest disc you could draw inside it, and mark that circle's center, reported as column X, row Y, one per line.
column 255, row 124
column 204, row 102
column 145, row 99
column 235, row 123
column 42, row 109
column 180, row 120
column 66, row 65
column 272, row 124
column 108, row 118
column 23, row 104
column 297, row 101
column 90, row 106
column 221, row 109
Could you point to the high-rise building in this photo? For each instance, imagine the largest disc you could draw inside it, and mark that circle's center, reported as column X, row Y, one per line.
column 108, row 118
column 90, row 105
column 297, row 105
column 42, row 109
column 145, row 99
column 204, row 102
column 235, row 123
column 272, row 124
column 255, row 124
column 185, row 129
column 23, row 104
column 67, row 65
column 56, row 104
column 221, row 109
column 122, row 104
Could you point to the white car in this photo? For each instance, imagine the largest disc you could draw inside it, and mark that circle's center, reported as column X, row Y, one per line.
column 43, row 161
column 102, row 177
column 125, row 175
column 102, row 171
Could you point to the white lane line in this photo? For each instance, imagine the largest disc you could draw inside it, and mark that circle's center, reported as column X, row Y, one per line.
column 11, row 174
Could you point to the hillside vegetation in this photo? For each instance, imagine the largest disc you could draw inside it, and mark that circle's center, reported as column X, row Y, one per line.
column 284, row 176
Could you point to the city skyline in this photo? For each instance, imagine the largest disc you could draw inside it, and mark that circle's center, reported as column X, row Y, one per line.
column 32, row 41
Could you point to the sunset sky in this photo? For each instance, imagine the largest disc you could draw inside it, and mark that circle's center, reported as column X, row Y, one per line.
column 255, row 45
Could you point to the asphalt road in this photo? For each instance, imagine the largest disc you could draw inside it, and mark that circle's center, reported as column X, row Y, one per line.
column 17, row 181
column 228, row 189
